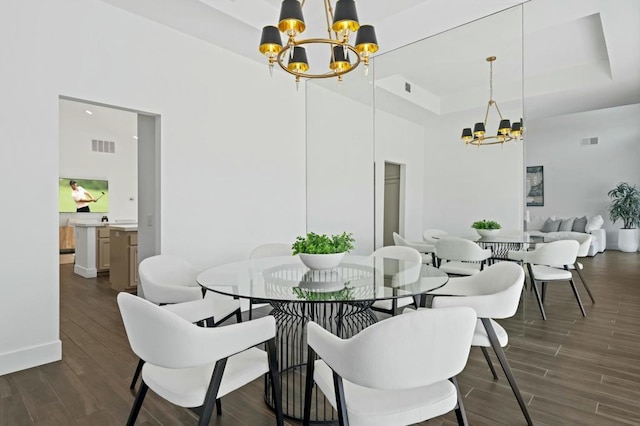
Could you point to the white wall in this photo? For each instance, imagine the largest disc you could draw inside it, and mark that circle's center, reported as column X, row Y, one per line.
column 77, row 160
column 340, row 166
column 401, row 142
column 464, row 184
column 577, row 178
column 230, row 180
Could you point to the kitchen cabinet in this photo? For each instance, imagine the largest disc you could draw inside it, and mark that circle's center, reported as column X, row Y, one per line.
column 123, row 273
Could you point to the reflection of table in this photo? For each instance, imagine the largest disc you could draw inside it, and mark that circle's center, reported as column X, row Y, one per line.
column 500, row 245
column 338, row 299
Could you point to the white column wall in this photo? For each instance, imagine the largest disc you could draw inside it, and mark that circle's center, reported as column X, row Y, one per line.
column 577, row 178
column 230, row 179
column 339, row 166
column 464, row 184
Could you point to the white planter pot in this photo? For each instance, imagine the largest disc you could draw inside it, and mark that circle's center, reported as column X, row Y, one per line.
column 628, row 240
column 488, row 232
column 321, row 261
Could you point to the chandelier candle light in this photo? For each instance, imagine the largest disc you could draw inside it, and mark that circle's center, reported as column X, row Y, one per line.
column 506, row 130
column 340, row 25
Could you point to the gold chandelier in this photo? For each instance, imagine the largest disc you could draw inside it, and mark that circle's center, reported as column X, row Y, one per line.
column 506, row 130
column 340, row 25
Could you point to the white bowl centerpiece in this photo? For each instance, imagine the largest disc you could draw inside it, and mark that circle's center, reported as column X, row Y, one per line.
column 486, row 228
column 319, row 252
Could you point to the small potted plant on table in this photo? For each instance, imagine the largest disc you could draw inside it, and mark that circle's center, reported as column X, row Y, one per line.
column 486, row 228
column 321, row 251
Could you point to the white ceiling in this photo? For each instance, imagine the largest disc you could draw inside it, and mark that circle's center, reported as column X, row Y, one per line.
column 578, row 54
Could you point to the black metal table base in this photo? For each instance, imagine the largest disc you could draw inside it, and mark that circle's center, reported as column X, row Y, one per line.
column 343, row 319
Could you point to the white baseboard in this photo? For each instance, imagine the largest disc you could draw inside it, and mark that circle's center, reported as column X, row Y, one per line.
column 30, row 357
column 85, row 272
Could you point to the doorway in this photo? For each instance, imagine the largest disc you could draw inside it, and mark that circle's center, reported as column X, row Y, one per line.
column 121, row 147
column 392, row 197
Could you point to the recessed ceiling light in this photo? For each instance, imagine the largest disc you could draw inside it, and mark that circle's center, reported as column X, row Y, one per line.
column 88, row 112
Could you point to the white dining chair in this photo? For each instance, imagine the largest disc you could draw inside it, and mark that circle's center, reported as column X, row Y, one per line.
column 193, row 366
column 170, row 281
column 399, row 371
column 429, row 234
column 561, row 253
column 460, row 256
column 427, row 251
column 493, row 294
column 583, row 250
column 409, row 254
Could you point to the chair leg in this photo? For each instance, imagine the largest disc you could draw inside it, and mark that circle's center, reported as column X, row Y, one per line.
column 274, row 375
column 535, row 290
column 488, row 359
column 461, row 414
column 218, row 407
column 544, row 291
column 239, row 316
column 341, row 405
column 505, row 367
column 136, row 374
column 142, row 392
column 212, row 392
column 575, row 292
column 311, row 357
column 584, row 283
column 250, row 309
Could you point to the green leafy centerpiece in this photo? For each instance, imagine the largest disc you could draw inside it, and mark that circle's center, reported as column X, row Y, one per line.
column 319, row 251
column 486, row 228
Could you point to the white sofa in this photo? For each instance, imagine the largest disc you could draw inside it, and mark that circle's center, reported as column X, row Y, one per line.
column 544, row 225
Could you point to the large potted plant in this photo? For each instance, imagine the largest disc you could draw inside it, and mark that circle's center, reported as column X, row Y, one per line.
column 486, row 228
column 321, row 251
column 625, row 206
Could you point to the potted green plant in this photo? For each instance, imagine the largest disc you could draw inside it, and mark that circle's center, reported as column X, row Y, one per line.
column 319, row 251
column 625, row 206
column 486, row 228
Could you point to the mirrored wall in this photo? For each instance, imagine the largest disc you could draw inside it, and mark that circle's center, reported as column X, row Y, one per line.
column 384, row 152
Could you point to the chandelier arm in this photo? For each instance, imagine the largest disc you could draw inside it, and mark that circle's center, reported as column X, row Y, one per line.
column 498, row 109
column 486, row 113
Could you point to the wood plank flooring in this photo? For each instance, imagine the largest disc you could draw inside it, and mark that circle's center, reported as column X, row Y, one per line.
column 571, row 370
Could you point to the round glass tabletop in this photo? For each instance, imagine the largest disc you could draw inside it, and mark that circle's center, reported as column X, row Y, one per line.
column 357, row 278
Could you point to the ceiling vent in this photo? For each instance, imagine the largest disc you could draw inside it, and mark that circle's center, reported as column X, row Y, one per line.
column 407, row 87
column 108, row 147
column 589, row 141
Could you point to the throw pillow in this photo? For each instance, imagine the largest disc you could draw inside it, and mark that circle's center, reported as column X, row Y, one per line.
column 579, row 224
column 566, row 225
column 595, row 222
column 551, row 225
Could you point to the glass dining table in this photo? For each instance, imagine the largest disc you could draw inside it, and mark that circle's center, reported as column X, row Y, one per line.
column 338, row 299
column 502, row 243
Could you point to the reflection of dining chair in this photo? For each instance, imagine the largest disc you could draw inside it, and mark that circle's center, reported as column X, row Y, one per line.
column 560, row 253
column 192, row 366
column 493, row 294
column 263, row 251
column 400, row 253
column 377, row 377
column 583, row 250
column 427, row 251
column 170, row 281
column 428, row 234
column 461, row 256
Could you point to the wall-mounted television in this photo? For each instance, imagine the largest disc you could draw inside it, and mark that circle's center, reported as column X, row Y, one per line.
column 99, row 189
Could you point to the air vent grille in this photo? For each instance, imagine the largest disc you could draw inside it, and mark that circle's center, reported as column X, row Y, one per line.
column 407, row 87
column 108, row 147
column 589, row 141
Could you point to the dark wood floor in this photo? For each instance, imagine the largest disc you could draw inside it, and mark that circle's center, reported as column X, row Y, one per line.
column 571, row 370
